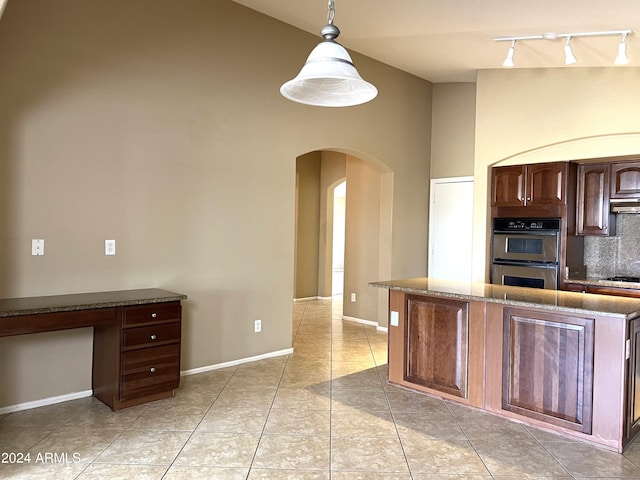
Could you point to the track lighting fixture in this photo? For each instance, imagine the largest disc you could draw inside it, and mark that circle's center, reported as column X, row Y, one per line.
column 508, row 62
column 329, row 78
column 622, row 58
column 569, row 57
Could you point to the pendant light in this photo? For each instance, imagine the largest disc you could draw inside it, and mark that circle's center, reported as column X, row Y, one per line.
column 329, row 78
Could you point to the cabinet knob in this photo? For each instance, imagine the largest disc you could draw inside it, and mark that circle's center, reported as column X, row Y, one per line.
column 154, row 315
column 152, row 369
column 153, row 337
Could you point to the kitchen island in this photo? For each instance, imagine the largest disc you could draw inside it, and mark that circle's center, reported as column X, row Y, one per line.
column 561, row 361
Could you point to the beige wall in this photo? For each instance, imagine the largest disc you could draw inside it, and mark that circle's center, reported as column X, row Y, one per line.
column 333, row 171
column 161, row 126
column 453, row 131
column 530, row 116
column 307, row 244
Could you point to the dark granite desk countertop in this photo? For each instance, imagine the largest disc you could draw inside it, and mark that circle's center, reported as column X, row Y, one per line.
column 10, row 307
column 555, row 300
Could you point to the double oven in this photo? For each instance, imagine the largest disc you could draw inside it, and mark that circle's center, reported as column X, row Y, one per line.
column 525, row 252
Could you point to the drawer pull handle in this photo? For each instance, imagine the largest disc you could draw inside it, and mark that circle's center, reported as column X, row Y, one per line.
column 152, row 369
column 154, row 315
column 153, row 337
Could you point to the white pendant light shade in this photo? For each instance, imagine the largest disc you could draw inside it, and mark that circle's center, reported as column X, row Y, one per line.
column 329, row 79
column 508, row 61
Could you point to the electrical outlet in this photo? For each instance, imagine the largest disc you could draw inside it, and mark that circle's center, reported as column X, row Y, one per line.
column 109, row 247
column 353, row 297
column 37, row 246
column 257, row 326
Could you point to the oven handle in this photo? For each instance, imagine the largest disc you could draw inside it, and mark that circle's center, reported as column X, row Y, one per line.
column 524, row 263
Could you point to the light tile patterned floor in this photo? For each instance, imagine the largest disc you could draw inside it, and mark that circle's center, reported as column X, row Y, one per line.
column 324, row 412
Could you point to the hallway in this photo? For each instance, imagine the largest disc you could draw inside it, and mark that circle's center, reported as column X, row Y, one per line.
column 324, row 412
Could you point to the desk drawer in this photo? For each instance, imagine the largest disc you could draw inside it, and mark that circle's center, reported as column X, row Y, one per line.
column 153, row 335
column 153, row 313
column 150, row 370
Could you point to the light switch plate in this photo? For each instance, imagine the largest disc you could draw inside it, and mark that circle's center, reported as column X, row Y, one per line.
column 109, row 247
column 395, row 318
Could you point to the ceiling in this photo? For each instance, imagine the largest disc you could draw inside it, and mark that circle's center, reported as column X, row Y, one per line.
column 449, row 40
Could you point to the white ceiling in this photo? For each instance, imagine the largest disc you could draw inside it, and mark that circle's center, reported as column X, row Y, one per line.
column 449, row 40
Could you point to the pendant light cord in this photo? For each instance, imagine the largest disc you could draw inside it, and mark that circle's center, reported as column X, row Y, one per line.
column 332, row 11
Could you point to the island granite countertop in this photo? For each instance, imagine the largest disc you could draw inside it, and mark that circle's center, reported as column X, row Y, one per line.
column 10, row 307
column 555, row 300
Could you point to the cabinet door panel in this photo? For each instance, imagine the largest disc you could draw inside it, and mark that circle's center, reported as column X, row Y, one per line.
column 633, row 395
column 507, row 186
column 625, row 180
column 436, row 344
column 548, row 367
column 593, row 214
column 546, row 184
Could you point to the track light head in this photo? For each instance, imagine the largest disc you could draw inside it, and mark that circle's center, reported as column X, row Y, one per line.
column 622, row 58
column 569, row 57
column 508, row 61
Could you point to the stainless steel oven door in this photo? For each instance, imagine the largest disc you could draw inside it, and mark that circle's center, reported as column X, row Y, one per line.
column 525, row 275
column 537, row 247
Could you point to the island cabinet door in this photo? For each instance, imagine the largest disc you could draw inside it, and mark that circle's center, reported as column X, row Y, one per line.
column 548, row 367
column 436, row 344
column 632, row 426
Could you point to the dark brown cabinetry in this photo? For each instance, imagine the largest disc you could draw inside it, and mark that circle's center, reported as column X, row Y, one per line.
column 138, row 359
column 592, row 207
column 633, row 380
column 507, row 186
column 437, row 332
column 625, row 180
column 529, row 185
column 556, row 386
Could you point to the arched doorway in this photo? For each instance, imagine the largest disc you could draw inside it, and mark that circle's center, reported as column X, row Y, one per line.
column 367, row 245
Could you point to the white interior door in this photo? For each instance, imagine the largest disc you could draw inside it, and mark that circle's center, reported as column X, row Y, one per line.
column 450, row 228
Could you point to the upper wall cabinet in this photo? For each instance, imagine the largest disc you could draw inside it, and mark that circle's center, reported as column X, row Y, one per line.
column 529, row 185
column 592, row 207
column 625, row 180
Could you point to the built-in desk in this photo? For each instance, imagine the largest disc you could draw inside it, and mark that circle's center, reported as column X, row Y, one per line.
column 136, row 340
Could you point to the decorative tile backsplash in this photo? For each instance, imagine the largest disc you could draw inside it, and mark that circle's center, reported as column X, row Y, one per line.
column 618, row 255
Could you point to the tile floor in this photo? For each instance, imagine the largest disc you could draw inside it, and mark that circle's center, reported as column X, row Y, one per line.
column 324, row 412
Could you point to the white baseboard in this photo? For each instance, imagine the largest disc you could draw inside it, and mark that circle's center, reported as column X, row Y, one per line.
column 233, row 363
column 45, row 401
column 311, row 299
column 306, row 299
column 87, row 393
column 365, row 322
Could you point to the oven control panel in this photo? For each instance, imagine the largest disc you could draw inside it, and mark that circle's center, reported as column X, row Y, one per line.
column 525, row 224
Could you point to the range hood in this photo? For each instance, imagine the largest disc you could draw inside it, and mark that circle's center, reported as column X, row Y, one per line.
column 625, row 205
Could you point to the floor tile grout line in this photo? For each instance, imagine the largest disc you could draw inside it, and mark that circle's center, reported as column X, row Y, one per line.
column 264, row 427
column 383, row 383
column 199, row 423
